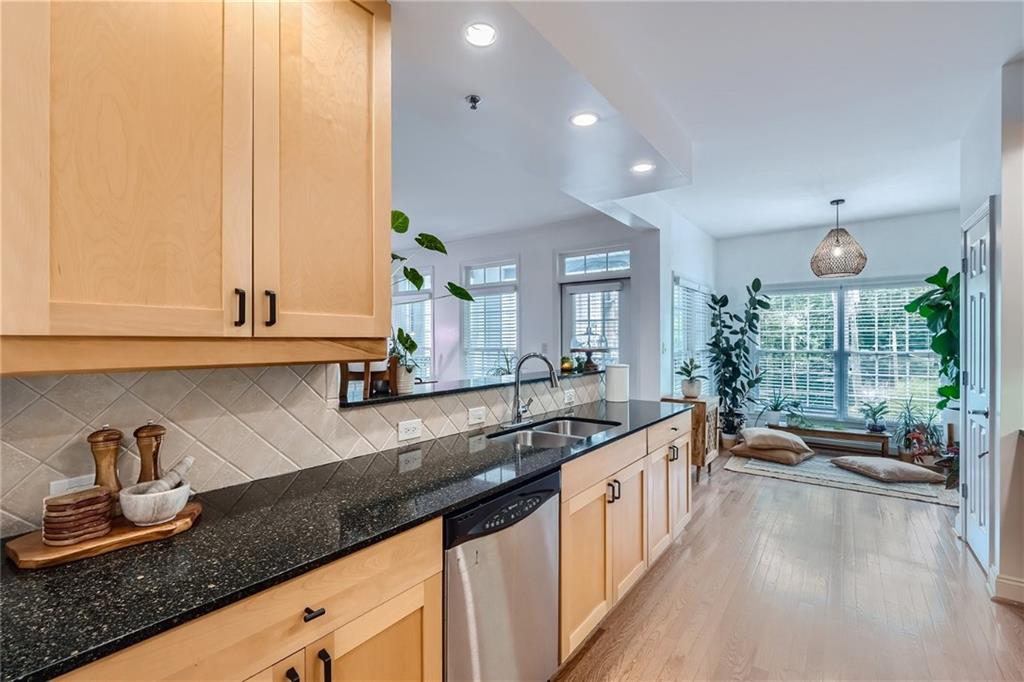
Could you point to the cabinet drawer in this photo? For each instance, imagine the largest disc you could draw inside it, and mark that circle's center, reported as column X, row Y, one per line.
column 664, row 432
column 247, row 637
column 594, row 467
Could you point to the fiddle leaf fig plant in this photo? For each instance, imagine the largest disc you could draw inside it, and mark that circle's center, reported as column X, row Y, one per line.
column 402, row 344
column 940, row 307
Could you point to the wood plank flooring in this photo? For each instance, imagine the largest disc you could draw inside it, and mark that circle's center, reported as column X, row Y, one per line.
column 782, row 580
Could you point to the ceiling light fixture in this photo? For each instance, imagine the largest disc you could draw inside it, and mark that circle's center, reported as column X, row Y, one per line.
column 642, row 167
column 584, row 119
column 838, row 254
column 481, row 34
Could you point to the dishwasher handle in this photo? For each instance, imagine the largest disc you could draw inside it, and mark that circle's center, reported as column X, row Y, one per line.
column 500, row 511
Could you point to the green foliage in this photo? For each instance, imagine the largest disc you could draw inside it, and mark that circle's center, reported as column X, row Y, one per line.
column 940, row 307
column 731, row 346
column 403, row 346
column 458, row 292
column 506, row 366
column 778, row 402
column 399, row 222
column 431, row 243
column 688, row 370
column 413, row 276
column 874, row 412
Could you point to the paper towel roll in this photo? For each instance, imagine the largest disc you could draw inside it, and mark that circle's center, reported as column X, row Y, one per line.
column 616, row 383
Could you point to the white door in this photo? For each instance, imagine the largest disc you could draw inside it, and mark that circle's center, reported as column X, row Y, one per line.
column 975, row 356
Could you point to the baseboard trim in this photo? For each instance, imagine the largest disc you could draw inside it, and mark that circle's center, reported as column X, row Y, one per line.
column 1006, row 589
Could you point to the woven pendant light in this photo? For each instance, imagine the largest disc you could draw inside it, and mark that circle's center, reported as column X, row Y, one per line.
column 838, row 254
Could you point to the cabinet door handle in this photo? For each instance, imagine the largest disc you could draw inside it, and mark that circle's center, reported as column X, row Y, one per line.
column 675, row 453
column 272, row 299
column 673, row 428
column 326, row 658
column 240, row 320
column 618, row 488
column 292, row 675
column 311, row 614
column 611, row 493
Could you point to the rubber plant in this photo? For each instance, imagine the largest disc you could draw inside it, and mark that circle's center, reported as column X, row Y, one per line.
column 940, row 307
column 403, row 345
column 731, row 345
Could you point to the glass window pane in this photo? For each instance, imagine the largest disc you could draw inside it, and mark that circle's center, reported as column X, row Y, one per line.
column 618, row 260
column 490, row 334
column 476, row 276
column 415, row 319
column 508, row 273
column 492, row 275
column 575, row 265
column 597, row 262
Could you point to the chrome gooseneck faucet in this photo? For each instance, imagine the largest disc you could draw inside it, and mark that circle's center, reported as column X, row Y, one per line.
column 519, row 407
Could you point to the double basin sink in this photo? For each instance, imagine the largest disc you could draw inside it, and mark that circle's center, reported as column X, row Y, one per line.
column 553, row 433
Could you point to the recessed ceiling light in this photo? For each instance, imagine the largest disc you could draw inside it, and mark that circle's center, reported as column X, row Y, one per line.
column 584, row 119
column 481, row 34
column 642, row 167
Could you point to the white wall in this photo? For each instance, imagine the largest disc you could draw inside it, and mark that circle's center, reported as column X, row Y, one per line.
column 906, row 246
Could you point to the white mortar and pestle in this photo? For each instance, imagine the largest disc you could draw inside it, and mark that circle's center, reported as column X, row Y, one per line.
column 153, row 502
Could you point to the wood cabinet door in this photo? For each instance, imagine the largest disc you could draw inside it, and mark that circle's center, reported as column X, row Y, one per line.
column 586, row 581
column 679, row 485
column 659, row 496
column 127, row 167
column 629, row 528
column 322, row 169
column 291, row 669
column 398, row 640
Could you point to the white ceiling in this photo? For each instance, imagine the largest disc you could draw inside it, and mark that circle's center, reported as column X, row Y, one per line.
column 787, row 105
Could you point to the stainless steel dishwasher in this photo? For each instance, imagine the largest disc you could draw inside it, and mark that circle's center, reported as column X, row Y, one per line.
column 501, row 586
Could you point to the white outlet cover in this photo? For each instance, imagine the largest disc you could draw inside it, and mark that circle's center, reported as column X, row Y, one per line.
column 570, row 396
column 64, row 485
column 410, row 429
column 477, row 415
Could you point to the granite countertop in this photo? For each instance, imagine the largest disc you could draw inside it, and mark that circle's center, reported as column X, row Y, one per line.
column 258, row 534
column 435, row 388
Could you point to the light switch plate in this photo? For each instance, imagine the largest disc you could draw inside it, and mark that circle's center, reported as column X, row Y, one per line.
column 570, row 396
column 410, row 429
column 63, row 485
column 477, row 415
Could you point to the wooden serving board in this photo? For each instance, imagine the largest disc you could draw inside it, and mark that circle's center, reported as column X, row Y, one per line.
column 28, row 551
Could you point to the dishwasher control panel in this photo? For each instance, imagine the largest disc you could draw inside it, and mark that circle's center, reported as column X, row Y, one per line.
column 512, row 512
column 500, row 511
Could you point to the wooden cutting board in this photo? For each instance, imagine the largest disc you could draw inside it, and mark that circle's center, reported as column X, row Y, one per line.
column 28, row 551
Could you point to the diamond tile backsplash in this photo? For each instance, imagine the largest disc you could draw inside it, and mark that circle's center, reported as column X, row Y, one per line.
column 238, row 424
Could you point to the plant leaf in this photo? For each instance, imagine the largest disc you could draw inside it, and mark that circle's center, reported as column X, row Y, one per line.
column 756, row 284
column 431, row 243
column 407, row 343
column 396, row 257
column 940, row 278
column 414, row 277
column 458, row 292
column 399, row 222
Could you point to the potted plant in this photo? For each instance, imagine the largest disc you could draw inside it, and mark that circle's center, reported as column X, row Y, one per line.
column 732, row 346
column 917, row 434
column 773, row 407
column 874, row 415
column 940, row 307
column 402, row 347
column 506, row 365
column 566, row 364
column 691, row 379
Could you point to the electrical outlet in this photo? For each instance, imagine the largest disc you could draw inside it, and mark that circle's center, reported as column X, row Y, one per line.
column 477, row 415
column 63, row 485
column 410, row 429
column 570, row 396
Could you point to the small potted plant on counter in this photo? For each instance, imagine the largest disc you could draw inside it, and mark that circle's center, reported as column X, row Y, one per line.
column 401, row 348
column 874, row 416
column 567, row 365
column 691, row 379
column 774, row 407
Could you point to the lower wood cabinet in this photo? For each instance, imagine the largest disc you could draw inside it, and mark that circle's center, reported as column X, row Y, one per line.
column 628, row 512
column 679, row 485
column 668, row 494
column 291, row 669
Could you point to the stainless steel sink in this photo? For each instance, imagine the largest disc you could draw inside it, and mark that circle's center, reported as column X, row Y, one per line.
column 528, row 438
column 572, row 426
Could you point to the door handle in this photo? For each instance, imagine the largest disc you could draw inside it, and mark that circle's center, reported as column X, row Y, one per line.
column 240, row 320
column 272, row 299
column 983, row 413
column 326, row 658
column 982, row 454
column 618, row 488
column 292, row 675
column 611, row 493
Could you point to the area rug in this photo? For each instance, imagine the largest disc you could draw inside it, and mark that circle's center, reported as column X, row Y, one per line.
column 818, row 470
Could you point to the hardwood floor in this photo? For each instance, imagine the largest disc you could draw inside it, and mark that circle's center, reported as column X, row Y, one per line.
column 781, row 580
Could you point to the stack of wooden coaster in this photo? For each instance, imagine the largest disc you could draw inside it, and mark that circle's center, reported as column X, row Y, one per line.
column 73, row 517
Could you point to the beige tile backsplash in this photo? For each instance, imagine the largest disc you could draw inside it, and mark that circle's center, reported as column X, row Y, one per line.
column 238, row 424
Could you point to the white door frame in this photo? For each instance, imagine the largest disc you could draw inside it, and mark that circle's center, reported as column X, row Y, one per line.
column 987, row 211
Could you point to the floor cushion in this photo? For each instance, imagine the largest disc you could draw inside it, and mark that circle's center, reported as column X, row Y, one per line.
column 773, row 439
column 778, row 455
column 889, row 470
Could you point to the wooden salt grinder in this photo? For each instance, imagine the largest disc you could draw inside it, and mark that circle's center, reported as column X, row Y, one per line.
column 106, row 445
column 149, row 438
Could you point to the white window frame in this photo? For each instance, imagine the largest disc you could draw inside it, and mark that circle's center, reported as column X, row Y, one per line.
column 490, row 289
column 620, row 284
column 675, row 380
column 415, row 296
column 841, row 356
column 564, row 278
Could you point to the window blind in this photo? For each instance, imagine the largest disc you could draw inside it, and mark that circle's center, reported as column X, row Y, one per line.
column 490, row 331
column 691, row 329
column 414, row 315
column 599, row 307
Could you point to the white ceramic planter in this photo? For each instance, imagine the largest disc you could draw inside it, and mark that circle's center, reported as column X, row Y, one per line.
column 772, row 417
column 691, row 388
column 405, row 381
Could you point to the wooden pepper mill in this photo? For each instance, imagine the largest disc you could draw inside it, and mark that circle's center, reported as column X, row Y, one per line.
column 149, row 438
column 106, row 446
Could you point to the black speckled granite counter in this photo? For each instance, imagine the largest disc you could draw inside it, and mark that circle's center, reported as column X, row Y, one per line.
column 255, row 535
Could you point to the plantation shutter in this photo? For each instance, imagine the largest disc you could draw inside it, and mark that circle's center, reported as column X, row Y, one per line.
column 490, row 330
column 414, row 315
column 597, row 306
column 691, row 329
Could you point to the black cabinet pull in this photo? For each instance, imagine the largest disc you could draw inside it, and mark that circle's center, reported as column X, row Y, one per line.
column 272, row 297
column 618, row 488
column 326, row 658
column 240, row 320
column 292, row 675
column 674, row 450
column 311, row 614
column 611, row 493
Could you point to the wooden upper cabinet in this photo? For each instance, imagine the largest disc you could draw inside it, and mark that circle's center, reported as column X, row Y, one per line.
column 127, row 168
column 322, row 173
